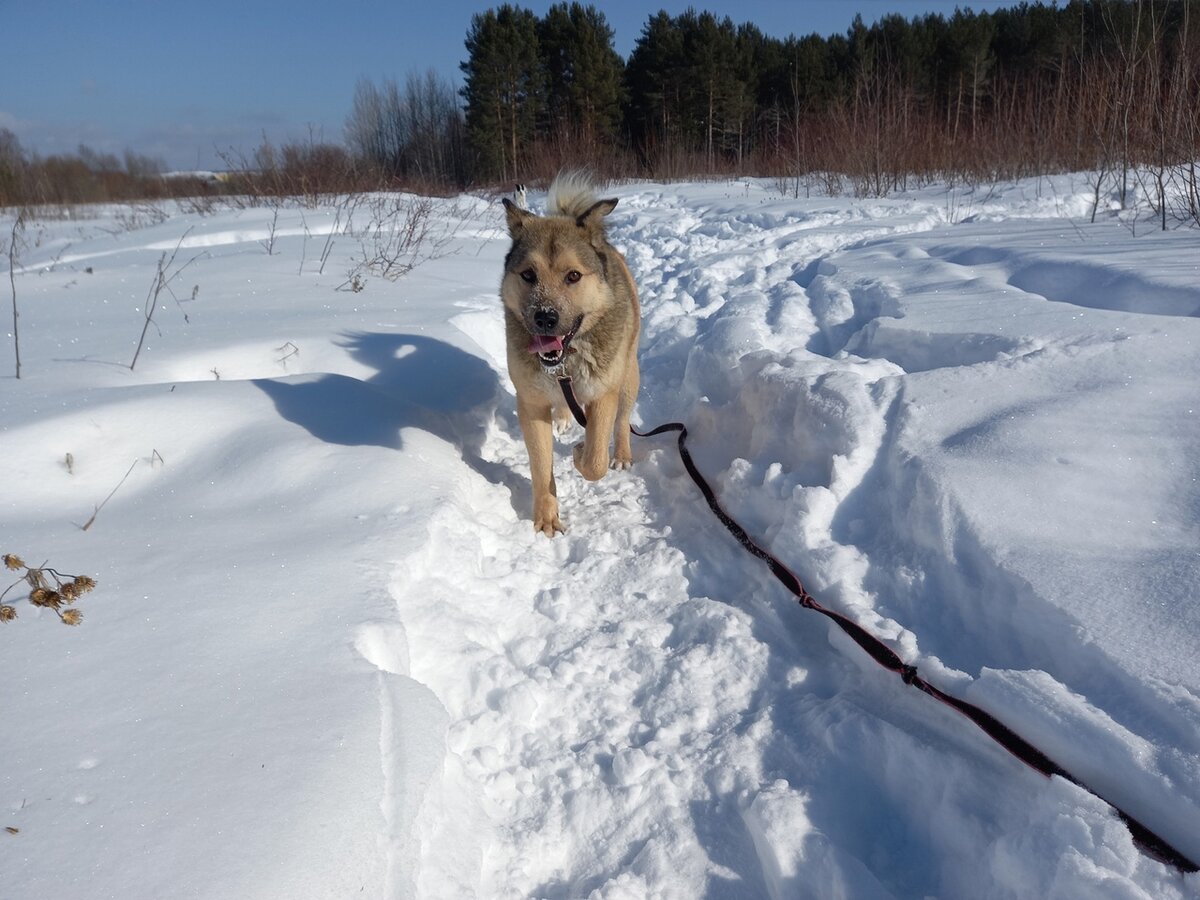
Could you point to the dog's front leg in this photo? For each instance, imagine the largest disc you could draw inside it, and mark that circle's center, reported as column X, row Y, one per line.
column 539, row 442
column 591, row 456
column 622, row 452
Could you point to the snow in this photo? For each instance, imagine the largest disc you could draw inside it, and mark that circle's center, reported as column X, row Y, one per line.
column 328, row 656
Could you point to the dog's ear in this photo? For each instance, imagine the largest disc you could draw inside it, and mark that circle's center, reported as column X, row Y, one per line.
column 516, row 216
column 591, row 217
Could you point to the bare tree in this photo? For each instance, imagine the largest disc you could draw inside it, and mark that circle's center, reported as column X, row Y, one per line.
column 414, row 132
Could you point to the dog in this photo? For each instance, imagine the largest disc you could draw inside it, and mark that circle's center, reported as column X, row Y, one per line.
column 570, row 306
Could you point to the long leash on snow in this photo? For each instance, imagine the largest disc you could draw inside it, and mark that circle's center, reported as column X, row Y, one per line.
column 1150, row 842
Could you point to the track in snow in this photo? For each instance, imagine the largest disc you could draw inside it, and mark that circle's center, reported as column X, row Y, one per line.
column 637, row 708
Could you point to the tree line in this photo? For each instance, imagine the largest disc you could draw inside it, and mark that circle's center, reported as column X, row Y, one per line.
column 1108, row 86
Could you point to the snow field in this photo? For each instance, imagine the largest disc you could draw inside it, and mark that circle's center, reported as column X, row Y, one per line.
column 329, row 657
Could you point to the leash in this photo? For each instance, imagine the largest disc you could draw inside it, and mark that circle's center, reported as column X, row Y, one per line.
column 1150, row 842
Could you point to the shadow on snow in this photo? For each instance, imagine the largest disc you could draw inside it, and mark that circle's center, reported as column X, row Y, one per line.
column 419, row 382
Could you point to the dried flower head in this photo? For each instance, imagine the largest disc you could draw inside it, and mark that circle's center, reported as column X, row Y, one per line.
column 43, row 597
column 48, row 588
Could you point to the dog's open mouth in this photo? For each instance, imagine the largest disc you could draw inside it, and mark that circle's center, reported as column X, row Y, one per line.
column 552, row 349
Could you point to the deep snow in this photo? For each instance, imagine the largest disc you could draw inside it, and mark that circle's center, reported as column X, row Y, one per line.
column 328, row 657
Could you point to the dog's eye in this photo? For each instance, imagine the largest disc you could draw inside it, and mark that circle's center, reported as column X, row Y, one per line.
column 573, row 276
column 529, row 275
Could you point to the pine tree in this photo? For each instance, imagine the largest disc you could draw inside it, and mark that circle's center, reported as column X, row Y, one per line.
column 710, row 46
column 966, row 52
column 504, row 90
column 584, row 91
column 655, row 80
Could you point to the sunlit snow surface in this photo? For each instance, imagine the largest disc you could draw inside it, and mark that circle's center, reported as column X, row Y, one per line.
column 329, row 657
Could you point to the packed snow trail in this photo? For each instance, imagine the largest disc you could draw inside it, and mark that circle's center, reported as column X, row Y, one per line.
column 647, row 715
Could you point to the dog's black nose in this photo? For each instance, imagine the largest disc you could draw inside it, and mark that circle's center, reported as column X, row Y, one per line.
column 545, row 319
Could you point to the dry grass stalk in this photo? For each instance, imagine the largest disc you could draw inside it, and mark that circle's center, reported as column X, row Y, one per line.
column 88, row 524
column 162, row 281
column 18, row 230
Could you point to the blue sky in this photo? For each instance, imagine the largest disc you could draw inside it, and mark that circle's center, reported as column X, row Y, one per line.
column 181, row 81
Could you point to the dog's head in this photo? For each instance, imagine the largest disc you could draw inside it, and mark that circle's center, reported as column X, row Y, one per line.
column 556, row 275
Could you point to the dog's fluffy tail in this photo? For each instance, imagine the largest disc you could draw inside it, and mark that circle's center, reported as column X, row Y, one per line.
column 571, row 193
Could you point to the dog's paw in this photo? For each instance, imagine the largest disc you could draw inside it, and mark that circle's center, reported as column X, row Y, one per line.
column 549, row 527
column 546, row 520
column 621, row 463
column 563, row 423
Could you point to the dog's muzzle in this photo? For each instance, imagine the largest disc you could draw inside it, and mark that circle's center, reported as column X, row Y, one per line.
column 552, row 349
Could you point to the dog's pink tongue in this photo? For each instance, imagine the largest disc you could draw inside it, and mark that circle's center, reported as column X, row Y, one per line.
column 544, row 343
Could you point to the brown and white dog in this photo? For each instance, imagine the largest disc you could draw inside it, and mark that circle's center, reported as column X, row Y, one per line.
column 570, row 305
